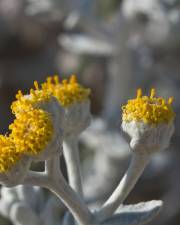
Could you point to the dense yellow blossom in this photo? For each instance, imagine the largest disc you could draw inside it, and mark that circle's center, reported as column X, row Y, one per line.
column 8, row 155
column 150, row 109
column 31, row 131
column 32, row 128
column 68, row 91
column 27, row 102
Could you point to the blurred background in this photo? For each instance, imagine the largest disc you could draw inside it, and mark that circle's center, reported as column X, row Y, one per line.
column 114, row 47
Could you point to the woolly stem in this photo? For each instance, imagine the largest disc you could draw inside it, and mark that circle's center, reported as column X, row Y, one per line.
column 71, row 155
column 136, row 168
column 53, row 180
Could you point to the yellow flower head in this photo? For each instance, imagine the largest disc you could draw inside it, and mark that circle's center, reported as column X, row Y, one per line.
column 148, row 109
column 68, row 91
column 8, row 154
column 27, row 102
column 31, row 131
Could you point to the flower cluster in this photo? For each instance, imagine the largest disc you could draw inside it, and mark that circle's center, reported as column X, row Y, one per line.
column 28, row 102
column 36, row 121
column 148, row 121
column 8, row 155
column 67, row 92
column 31, row 131
column 149, row 110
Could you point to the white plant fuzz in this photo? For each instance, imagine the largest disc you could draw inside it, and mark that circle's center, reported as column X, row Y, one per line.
column 57, row 113
column 148, row 138
column 77, row 118
column 126, row 184
column 71, row 155
column 17, row 174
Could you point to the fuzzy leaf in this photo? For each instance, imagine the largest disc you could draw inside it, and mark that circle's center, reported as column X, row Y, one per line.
column 137, row 214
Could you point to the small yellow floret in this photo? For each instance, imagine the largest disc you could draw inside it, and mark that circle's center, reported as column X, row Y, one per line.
column 68, row 91
column 150, row 110
column 27, row 102
column 31, row 131
column 8, row 154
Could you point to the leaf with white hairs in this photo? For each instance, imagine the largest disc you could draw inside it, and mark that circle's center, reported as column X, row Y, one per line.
column 137, row 214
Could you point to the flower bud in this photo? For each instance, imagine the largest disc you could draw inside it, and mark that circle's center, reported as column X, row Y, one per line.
column 39, row 119
column 57, row 114
column 74, row 99
column 148, row 121
column 144, row 136
column 77, row 118
column 34, row 135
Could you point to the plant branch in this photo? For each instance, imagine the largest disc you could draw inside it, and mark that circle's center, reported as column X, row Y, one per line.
column 36, row 179
column 59, row 186
column 53, row 180
column 71, row 155
column 136, row 168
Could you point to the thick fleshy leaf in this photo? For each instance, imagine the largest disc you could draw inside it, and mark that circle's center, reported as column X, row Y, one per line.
column 137, row 214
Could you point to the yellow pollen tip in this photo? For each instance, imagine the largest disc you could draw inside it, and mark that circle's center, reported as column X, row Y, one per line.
column 19, row 94
column 153, row 93
column 147, row 109
column 73, row 79
column 139, row 93
column 49, row 80
column 56, row 79
column 68, row 91
column 36, row 85
column 64, row 82
column 170, row 100
column 32, row 91
column 27, row 102
column 163, row 102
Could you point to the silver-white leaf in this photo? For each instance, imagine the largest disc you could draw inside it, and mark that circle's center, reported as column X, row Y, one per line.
column 137, row 214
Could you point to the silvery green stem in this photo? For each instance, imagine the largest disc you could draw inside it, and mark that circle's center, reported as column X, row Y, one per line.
column 75, row 204
column 71, row 155
column 137, row 165
column 53, row 180
column 36, row 179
